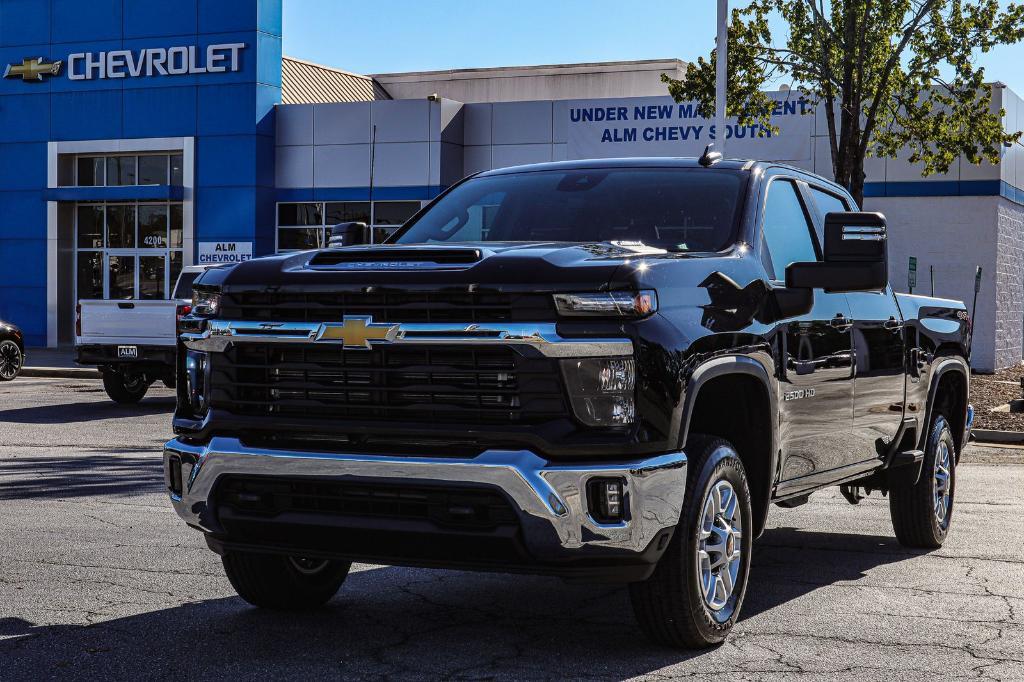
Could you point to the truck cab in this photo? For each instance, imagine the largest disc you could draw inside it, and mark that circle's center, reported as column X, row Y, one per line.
column 604, row 370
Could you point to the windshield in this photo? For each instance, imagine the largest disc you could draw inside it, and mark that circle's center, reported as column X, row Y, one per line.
column 677, row 209
column 184, row 287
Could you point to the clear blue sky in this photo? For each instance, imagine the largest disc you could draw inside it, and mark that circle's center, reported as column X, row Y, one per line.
column 381, row 36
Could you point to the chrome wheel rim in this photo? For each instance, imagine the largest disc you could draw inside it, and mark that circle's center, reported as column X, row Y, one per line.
column 941, row 480
column 720, row 546
column 10, row 360
column 306, row 565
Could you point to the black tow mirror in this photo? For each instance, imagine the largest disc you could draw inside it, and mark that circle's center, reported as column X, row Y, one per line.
column 349, row 234
column 856, row 256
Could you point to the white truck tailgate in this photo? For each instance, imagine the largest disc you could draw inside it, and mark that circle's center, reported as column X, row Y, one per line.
column 128, row 322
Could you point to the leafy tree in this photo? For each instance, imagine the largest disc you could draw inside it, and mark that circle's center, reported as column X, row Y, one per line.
column 890, row 74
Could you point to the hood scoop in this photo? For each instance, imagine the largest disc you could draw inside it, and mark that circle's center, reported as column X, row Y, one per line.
column 392, row 258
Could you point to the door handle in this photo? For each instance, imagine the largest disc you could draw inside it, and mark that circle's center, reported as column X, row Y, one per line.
column 840, row 322
column 892, row 323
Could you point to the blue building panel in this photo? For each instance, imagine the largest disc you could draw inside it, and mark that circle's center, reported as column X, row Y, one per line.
column 92, row 115
column 148, row 18
column 64, row 83
column 160, row 112
column 24, row 22
column 26, row 307
column 25, row 118
column 227, row 213
column 22, row 215
column 74, row 20
column 22, row 166
column 14, row 253
column 227, row 109
column 217, row 16
column 226, row 161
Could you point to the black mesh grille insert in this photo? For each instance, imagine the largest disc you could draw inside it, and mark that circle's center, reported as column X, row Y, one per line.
column 405, row 306
column 387, row 383
column 468, row 508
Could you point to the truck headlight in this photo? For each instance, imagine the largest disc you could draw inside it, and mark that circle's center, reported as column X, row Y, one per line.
column 601, row 390
column 197, row 382
column 608, row 303
column 205, row 303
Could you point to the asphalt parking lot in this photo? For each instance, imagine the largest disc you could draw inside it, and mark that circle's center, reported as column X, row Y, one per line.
column 99, row 579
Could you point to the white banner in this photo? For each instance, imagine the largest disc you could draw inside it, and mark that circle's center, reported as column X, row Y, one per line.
column 660, row 126
column 224, row 252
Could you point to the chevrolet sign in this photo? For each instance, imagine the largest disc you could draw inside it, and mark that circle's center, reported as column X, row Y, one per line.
column 154, row 61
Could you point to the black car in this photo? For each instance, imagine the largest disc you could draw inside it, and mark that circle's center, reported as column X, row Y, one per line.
column 12, row 351
column 603, row 370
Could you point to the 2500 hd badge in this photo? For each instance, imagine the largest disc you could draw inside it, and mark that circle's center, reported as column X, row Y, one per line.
column 591, row 369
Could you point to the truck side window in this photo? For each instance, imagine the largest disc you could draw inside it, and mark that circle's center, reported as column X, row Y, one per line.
column 786, row 232
column 827, row 203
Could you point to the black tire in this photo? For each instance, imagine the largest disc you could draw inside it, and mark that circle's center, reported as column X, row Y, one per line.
column 124, row 389
column 915, row 509
column 670, row 605
column 11, row 360
column 284, row 583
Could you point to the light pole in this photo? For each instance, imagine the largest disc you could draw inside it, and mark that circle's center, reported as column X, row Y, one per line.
column 721, row 71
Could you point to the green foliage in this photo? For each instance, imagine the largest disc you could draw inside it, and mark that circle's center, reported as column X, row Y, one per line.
column 891, row 74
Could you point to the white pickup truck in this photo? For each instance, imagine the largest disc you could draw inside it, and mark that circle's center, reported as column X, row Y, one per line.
column 133, row 342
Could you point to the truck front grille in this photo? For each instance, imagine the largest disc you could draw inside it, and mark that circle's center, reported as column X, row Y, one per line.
column 405, row 306
column 424, row 384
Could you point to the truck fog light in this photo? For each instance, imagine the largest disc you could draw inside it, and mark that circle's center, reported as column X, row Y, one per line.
column 605, row 499
column 601, row 390
column 197, row 381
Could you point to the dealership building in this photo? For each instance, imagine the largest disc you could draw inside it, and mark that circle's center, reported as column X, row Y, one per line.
column 138, row 136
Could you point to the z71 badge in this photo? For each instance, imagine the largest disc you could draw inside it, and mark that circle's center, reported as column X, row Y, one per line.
column 798, row 394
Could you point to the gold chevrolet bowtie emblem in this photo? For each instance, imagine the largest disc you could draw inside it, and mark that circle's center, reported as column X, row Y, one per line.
column 32, row 69
column 358, row 332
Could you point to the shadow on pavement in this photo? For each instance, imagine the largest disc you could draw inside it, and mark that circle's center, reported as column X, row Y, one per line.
column 68, row 413
column 116, row 473
column 407, row 623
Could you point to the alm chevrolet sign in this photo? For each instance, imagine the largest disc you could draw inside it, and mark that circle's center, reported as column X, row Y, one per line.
column 153, row 61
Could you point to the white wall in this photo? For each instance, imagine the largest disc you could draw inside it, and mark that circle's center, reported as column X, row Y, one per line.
column 954, row 235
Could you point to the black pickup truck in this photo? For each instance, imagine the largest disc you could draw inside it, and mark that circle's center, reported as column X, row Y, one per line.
column 602, row 370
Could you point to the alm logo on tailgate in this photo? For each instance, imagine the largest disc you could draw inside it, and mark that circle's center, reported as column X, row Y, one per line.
column 211, row 253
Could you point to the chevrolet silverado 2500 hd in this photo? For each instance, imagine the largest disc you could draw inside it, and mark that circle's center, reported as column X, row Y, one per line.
column 602, row 370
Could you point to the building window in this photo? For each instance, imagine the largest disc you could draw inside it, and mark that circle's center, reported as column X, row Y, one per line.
column 114, row 170
column 128, row 250
column 306, row 225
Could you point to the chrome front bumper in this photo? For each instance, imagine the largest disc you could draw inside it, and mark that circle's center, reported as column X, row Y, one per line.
column 550, row 498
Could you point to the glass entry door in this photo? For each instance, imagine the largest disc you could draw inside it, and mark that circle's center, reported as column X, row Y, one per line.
column 129, row 250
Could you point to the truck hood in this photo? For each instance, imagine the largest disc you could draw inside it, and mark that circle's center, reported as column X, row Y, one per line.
column 504, row 267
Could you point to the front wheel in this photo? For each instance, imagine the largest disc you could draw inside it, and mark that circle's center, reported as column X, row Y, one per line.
column 921, row 513
column 693, row 598
column 126, row 389
column 284, row 582
column 11, row 360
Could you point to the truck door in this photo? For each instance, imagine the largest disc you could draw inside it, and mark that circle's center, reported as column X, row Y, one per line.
column 880, row 376
column 815, row 350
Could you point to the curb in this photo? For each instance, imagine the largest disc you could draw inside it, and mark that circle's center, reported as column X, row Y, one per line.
column 61, row 372
column 993, row 436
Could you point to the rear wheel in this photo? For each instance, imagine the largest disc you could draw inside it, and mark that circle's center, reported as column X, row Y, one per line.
column 694, row 596
column 125, row 388
column 921, row 513
column 284, row 582
column 11, row 360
